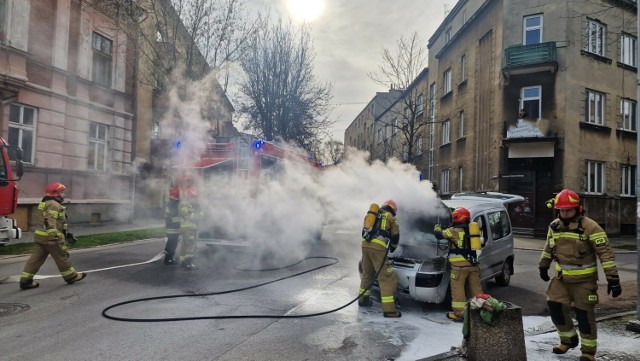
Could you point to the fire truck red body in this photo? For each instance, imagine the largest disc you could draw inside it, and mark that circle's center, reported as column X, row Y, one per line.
column 9, row 191
column 240, row 165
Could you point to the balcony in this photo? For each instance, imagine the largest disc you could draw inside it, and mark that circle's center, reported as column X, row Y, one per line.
column 527, row 59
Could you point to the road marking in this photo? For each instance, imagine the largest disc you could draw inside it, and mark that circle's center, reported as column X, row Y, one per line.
column 16, row 278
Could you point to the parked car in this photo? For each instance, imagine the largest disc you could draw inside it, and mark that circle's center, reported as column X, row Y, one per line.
column 421, row 260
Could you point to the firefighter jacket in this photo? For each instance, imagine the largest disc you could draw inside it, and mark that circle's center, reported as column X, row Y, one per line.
column 576, row 247
column 54, row 223
column 387, row 232
column 189, row 213
column 172, row 216
column 460, row 253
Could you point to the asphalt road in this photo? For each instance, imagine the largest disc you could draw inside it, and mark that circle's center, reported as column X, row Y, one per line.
column 64, row 322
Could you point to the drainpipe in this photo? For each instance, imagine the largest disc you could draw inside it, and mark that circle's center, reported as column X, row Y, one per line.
column 637, row 323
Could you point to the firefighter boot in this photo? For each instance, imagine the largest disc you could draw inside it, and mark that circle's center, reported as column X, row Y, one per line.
column 365, row 301
column 453, row 317
column 587, row 357
column 79, row 277
column 169, row 260
column 563, row 347
column 394, row 314
column 188, row 264
column 28, row 285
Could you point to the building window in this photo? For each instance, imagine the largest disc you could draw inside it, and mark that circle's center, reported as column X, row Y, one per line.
column 530, row 101
column 444, row 182
column 628, row 52
column 628, row 180
column 420, row 104
column 447, row 36
column 22, row 128
column 379, row 135
column 595, row 177
column 532, row 30
column 595, row 107
column 460, row 178
column 461, row 124
column 463, row 68
column 419, row 146
column 595, row 34
column 3, row 20
column 405, row 153
column 97, row 147
column 447, row 82
column 396, row 125
column 446, row 128
column 628, row 110
column 101, row 59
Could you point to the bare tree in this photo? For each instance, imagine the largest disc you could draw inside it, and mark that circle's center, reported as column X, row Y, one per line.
column 334, row 151
column 283, row 98
column 401, row 69
column 196, row 35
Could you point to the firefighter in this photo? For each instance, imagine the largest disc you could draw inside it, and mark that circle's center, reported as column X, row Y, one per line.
column 49, row 239
column 465, row 271
column 576, row 242
column 188, row 227
column 172, row 225
column 386, row 233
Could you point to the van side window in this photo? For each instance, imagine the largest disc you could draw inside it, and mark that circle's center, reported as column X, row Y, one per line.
column 499, row 224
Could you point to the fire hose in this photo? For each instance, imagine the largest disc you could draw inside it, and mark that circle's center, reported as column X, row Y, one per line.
column 193, row 318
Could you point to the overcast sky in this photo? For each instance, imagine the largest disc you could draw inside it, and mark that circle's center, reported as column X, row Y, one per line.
column 349, row 36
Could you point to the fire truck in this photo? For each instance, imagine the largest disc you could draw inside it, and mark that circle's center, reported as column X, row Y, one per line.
column 10, row 157
column 241, row 163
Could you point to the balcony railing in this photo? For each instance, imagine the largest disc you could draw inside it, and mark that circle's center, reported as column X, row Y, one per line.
column 537, row 57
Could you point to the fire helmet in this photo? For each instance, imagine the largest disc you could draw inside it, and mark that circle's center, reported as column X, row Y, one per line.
column 391, row 205
column 460, row 215
column 55, row 189
column 567, row 199
column 174, row 193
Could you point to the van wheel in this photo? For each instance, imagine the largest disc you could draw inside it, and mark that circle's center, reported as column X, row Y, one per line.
column 505, row 277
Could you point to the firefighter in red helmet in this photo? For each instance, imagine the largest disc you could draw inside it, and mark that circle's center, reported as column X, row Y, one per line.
column 465, row 271
column 386, row 233
column 49, row 239
column 575, row 243
column 172, row 225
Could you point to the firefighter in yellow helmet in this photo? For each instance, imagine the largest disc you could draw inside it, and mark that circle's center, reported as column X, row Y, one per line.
column 49, row 239
column 465, row 271
column 576, row 242
column 386, row 233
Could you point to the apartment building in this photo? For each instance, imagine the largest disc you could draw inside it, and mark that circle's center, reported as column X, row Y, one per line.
column 77, row 98
column 360, row 133
column 542, row 96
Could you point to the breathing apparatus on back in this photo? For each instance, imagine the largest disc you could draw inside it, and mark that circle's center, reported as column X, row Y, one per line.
column 373, row 225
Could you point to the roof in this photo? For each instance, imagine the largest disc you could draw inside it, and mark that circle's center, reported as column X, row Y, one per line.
column 504, row 198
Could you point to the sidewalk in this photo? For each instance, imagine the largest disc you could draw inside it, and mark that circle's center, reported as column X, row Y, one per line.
column 86, row 229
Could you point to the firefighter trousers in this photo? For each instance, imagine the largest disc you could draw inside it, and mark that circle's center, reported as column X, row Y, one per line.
column 461, row 279
column 582, row 297
column 39, row 256
column 188, row 247
column 374, row 257
column 172, row 243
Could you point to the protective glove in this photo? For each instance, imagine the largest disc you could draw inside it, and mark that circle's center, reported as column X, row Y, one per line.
column 70, row 238
column 613, row 287
column 544, row 274
column 437, row 228
column 392, row 248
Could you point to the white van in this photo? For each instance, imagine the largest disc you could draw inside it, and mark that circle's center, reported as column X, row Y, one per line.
column 420, row 260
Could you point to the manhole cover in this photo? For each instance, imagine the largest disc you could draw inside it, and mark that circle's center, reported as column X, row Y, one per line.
column 10, row 309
